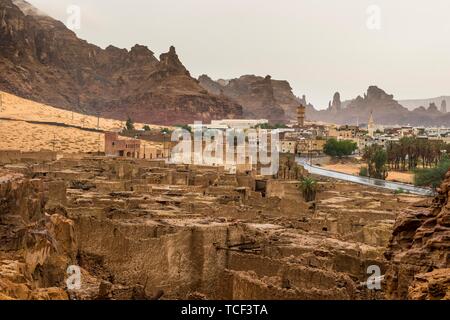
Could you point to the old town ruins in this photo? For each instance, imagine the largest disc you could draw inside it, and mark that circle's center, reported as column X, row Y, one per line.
column 146, row 229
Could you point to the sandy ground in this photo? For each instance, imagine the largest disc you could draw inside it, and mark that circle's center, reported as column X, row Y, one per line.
column 20, row 135
column 353, row 168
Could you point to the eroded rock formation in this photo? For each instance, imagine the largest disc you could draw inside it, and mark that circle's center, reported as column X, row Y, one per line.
column 386, row 110
column 336, row 105
column 444, row 106
column 262, row 98
column 419, row 251
column 35, row 247
column 42, row 60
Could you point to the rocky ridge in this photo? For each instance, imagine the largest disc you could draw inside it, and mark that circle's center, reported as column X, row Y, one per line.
column 260, row 97
column 386, row 111
column 42, row 60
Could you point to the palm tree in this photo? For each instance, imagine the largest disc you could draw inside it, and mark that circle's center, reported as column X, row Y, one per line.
column 308, row 187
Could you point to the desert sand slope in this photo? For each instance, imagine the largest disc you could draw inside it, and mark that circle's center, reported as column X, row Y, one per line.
column 18, row 134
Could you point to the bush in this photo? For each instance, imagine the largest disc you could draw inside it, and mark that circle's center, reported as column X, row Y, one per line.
column 339, row 149
column 432, row 177
column 400, row 191
column 271, row 127
column 363, row 172
column 129, row 125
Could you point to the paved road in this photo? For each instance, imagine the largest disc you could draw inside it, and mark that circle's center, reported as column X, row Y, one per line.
column 365, row 181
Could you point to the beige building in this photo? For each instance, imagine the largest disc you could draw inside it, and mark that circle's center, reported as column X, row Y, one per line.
column 289, row 146
column 311, row 146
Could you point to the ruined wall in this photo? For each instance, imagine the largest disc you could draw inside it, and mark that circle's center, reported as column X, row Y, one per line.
column 15, row 156
column 35, row 249
column 177, row 261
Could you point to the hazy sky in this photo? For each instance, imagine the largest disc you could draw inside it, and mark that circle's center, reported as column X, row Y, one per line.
column 319, row 46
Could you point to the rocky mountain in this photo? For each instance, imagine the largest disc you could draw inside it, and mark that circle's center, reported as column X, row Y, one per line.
column 416, row 103
column 336, row 105
column 42, row 60
column 260, row 97
column 418, row 252
column 386, row 110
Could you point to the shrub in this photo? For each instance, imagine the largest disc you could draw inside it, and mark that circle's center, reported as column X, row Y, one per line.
column 432, row 177
column 363, row 172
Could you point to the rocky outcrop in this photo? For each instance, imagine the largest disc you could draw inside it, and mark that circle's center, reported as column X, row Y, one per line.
column 386, row 110
column 444, row 106
column 42, row 60
column 419, row 249
column 35, row 247
column 260, row 97
column 336, row 105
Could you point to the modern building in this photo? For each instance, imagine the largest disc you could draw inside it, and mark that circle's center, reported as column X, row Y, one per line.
column 237, row 123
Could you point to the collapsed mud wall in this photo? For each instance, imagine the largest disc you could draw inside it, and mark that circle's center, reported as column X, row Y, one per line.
column 35, row 247
column 175, row 260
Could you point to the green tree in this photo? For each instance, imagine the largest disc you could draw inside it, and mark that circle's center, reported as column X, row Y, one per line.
column 376, row 159
column 146, row 128
column 308, row 187
column 339, row 149
column 432, row 177
column 271, row 127
column 129, row 125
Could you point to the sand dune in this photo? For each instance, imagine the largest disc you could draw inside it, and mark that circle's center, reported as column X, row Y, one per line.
column 17, row 134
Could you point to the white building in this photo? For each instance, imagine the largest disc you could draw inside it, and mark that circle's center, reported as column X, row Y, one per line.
column 239, row 123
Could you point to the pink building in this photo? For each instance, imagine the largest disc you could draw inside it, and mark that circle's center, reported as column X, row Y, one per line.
column 114, row 146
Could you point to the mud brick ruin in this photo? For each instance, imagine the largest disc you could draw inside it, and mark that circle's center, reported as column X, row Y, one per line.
column 142, row 229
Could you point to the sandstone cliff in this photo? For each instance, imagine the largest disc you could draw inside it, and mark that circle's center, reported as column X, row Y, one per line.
column 260, row 97
column 419, row 251
column 42, row 60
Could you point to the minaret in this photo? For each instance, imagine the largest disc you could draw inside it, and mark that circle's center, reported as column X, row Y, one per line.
column 371, row 125
column 301, row 116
